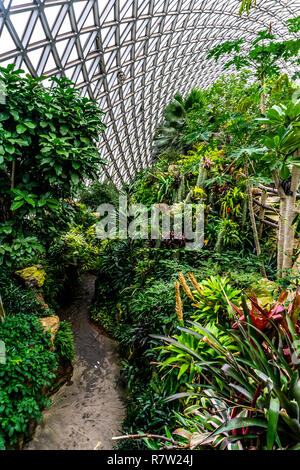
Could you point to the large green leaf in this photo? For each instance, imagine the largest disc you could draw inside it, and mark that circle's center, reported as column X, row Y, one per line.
column 273, row 415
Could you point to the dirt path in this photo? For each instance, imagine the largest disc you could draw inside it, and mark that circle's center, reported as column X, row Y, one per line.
column 88, row 408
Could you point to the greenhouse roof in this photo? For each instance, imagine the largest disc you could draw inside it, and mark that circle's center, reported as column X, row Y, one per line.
column 129, row 55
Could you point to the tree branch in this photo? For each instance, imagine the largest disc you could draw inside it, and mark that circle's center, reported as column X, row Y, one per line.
column 269, row 208
column 275, row 174
column 150, row 436
column 267, row 222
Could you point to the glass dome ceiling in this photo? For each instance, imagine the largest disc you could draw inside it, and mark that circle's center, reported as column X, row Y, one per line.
column 129, row 55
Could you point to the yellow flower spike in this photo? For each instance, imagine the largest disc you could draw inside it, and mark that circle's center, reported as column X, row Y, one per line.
column 194, row 282
column 185, row 287
column 179, row 309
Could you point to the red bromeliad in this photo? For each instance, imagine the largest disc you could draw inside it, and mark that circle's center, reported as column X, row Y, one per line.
column 262, row 317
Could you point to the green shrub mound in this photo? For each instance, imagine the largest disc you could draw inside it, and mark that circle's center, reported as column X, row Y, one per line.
column 30, row 366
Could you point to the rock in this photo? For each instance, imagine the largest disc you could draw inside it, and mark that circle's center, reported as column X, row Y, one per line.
column 34, row 276
column 51, row 324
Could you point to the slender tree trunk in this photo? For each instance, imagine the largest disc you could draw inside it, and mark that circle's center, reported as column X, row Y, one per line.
column 281, row 222
column 289, row 232
column 263, row 103
column 280, row 235
column 13, row 172
column 245, row 210
column 252, row 218
column 288, row 211
column 2, row 312
column 181, row 188
column 261, row 214
column 202, row 174
column 263, row 98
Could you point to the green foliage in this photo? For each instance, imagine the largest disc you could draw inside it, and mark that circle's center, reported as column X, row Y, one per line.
column 48, row 144
column 246, row 5
column 294, row 24
column 232, row 202
column 195, row 100
column 264, row 55
column 18, row 299
column 99, row 193
column 282, row 137
column 77, row 248
column 258, row 388
column 210, row 300
column 171, row 130
column 103, row 316
column 64, row 342
column 180, row 368
column 29, row 367
column 228, row 235
column 146, row 409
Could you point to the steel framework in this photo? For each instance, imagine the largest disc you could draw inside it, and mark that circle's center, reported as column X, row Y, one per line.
column 129, row 55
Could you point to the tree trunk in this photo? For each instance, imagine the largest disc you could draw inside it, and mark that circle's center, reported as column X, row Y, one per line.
column 263, row 103
column 13, row 172
column 289, row 232
column 261, row 214
column 288, row 211
column 280, row 235
column 181, row 188
column 202, row 174
column 252, row 218
column 281, row 221
column 263, row 98
column 2, row 312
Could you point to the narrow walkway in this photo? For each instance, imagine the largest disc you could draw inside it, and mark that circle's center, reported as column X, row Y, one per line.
column 88, row 409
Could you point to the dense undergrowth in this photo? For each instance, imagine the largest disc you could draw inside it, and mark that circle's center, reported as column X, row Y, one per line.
column 208, row 338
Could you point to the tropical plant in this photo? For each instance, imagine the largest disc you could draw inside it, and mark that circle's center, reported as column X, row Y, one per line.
column 208, row 297
column 281, row 155
column 228, row 235
column 270, row 316
column 99, row 193
column 259, row 387
column 180, row 368
column 29, row 366
column 171, row 131
column 246, row 5
column 48, row 144
column 264, row 56
column 232, row 202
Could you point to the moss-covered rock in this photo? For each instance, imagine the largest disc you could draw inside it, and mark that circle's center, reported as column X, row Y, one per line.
column 33, row 276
